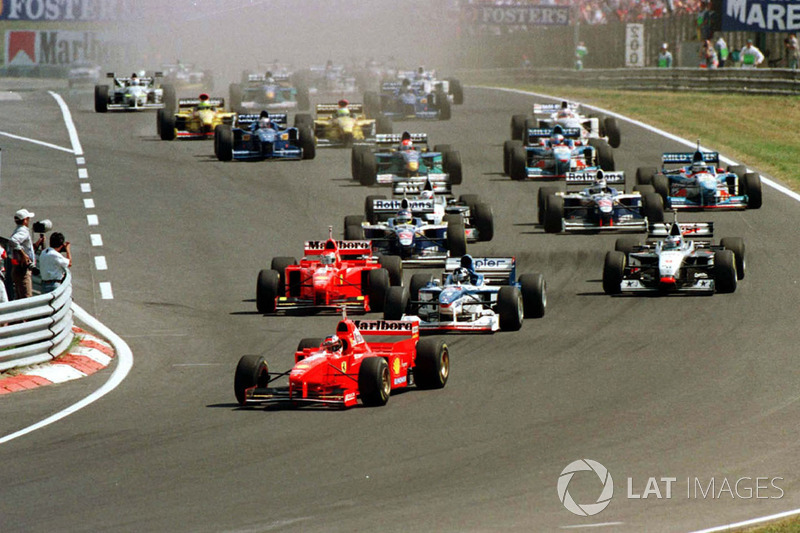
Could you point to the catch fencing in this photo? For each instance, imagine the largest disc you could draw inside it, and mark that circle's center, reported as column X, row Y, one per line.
column 37, row 329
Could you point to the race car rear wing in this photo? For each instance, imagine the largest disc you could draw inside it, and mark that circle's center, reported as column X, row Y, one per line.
column 417, row 207
column 689, row 230
column 402, row 328
column 330, row 109
column 685, row 158
column 547, row 109
column 587, row 177
column 440, row 184
column 347, row 249
column 194, row 102
column 495, row 270
column 391, row 85
column 545, row 133
column 278, row 118
column 395, row 138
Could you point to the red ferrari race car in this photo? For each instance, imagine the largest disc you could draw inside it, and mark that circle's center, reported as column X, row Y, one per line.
column 332, row 274
column 344, row 367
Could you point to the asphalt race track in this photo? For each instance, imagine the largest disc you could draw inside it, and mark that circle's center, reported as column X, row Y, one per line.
column 683, row 387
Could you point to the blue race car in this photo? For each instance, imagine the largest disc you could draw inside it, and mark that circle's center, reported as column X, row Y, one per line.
column 699, row 184
column 553, row 153
column 481, row 294
column 416, row 241
column 403, row 100
column 271, row 92
column 256, row 139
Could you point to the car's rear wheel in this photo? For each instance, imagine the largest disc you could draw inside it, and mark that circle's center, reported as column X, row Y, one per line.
column 374, row 381
column 452, row 166
column 483, row 218
column 518, row 166
column 396, row 303
column 508, row 149
column 378, row 288
column 605, row 156
column 394, row 266
column 753, row 184
column 653, row 208
column 267, row 290
column 612, row 132
column 369, row 208
column 279, row 265
column 644, row 175
column 518, row 126
column 455, row 235
column 661, row 185
column 368, row 173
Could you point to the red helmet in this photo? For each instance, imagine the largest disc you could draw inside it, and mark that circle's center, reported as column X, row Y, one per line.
column 332, row 344
column 406, row 143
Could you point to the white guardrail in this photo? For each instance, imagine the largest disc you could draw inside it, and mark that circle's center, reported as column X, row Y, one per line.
column 36, row 329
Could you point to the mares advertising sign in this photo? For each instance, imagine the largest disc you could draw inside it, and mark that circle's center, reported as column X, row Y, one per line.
column 65, row 10
column 761, row 15
column 56, row 48
column 518, row 15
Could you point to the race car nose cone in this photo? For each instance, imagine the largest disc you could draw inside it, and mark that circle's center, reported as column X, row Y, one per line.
column 667, row 280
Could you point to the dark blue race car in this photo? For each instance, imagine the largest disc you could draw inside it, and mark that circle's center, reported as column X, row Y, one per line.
column 255, row 139
column 405, row 99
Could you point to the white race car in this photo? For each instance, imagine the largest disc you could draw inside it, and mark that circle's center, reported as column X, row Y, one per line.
column 567, row 115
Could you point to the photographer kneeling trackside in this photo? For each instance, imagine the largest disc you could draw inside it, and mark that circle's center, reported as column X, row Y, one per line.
column 54, row 261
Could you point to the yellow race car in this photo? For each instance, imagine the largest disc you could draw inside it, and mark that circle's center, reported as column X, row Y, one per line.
column 195, row 118
column 344, row 124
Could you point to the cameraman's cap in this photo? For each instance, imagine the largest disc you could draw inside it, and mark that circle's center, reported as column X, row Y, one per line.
column 22, row 214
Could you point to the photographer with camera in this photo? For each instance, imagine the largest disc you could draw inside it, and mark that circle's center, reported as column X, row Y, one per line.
column 54, row 261
column 24, row 258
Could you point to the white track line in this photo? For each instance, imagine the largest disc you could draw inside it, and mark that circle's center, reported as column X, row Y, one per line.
column 777, row 186
column 603, row 524
column 774, row 185
column 34, row 141
column 97, row 239
column 77, row 149
column 124, row 358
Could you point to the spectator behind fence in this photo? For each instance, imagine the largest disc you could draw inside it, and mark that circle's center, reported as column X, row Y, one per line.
column 3, row 293
column 792, row 51
column 54, row 261
column 24, row 258
column 722, row 51
column 708, row 56
column 751, row 56
column 665, row 57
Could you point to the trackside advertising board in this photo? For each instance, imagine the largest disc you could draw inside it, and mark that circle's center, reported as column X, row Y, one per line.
column 515, row 15
column 56, row 48
column 761, row 15
column 66, row 10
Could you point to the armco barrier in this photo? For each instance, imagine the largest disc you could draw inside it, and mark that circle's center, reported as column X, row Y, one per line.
column 756, row 81
column 36, row 329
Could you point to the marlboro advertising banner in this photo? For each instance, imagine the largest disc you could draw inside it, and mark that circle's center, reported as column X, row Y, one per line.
column 56, row 47
column 761, row 15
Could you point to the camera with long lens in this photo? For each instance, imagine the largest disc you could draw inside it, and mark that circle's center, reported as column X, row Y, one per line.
column 42, row 226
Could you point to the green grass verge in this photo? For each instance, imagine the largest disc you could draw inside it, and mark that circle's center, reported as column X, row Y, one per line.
column 789, row 525
column 759, row 131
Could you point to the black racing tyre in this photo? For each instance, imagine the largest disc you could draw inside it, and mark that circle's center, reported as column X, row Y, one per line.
column 101, row 98
column 553, row 214
column 739, row 170
column 251, row 371
column 383, row 125
column 605, row 155
column 368, row 173
column 483, row 220
column 644, row 175
column 169, row 98
column 612, row 132
column 644, row 189
column 469, row 200
column 452, row 166
column 432, row 364
column 353, row 232
column 442, row 148
column 736, row 245
column 159, row 115
column 267, row 290
column 518, row 127
column 396, row 303
column 457, row 90
column 510, row 308
column 518, row 167
column 303, row 120
column 372, row 104
column 541, row 196
column 216, row 140
column 378, row 279
column 356, row 154
column 374, row 381
column 753, row 184
column 530, row 124
column 653, row 208
column 394, row 266
column 353, row 220
column 308, row 143
column 725, row 271
column 445, row 111
column 613, row 271
column 544, row 124
column 279, row 265
column 627, row 245
column 235, row 97
column 310, row 342
column 166, row 125
column 418, row 281
column 372, row 217
column 508, row 148
column 661, row 185
column 534, row 294
column 455, row 235
column 225, row 144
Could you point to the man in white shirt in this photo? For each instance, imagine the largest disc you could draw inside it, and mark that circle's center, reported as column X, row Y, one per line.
column 52, row 264
column 24, row 258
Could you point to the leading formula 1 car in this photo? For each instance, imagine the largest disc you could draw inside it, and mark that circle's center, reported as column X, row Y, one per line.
column 196, row 118
column 567, row 115
column 698, row 183
column 598, row 207
column 134, row 93
column 684, row 261
column 255, row 140
column 331, row 275
column 552, row 153
column 479, row 294
column 353, row 364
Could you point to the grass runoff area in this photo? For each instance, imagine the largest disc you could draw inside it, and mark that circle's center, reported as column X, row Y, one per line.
column 759, row 131
column 789, row 525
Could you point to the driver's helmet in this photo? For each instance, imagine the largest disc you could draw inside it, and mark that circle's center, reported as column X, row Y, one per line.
column 564, row 113
column 332, row 344
column 557, row 139
column 406, row 144
column 600, row 183
column 264, row 120
column 204, row 101
column 328, row 258
column 672, row 242
column 342, row 112
column 134, row 79
column 426, row 195
column 403, row 217
column 698, row 164
column 271, row 80
column 461, row 275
